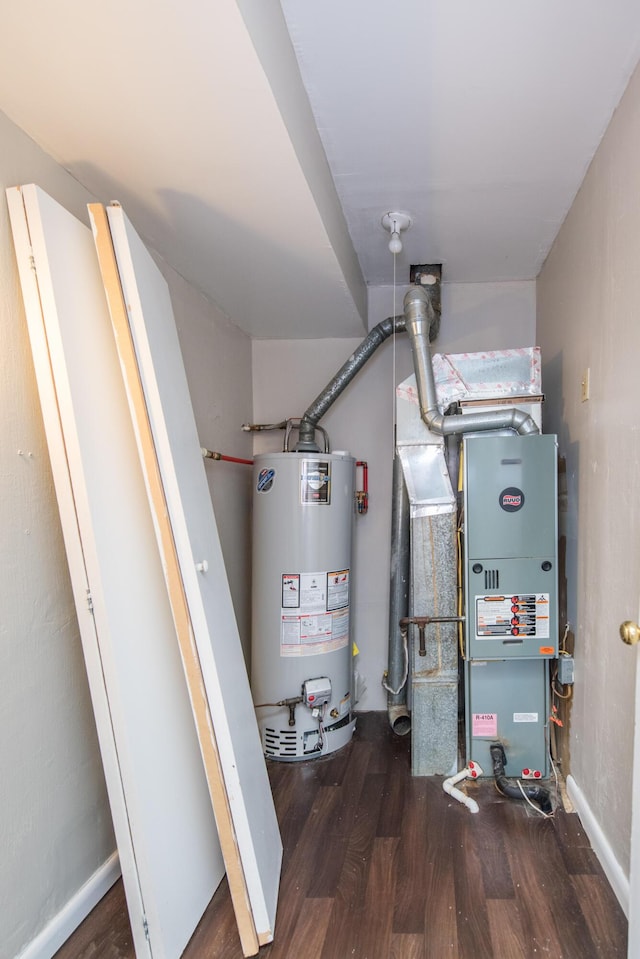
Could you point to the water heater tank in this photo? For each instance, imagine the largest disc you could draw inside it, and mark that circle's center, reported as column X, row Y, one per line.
column 301, row 659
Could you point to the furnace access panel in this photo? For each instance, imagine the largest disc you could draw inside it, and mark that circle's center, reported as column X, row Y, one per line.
column 511, row 536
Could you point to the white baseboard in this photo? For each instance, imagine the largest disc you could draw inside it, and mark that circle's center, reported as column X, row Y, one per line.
column 618, row 881
column 58, row 930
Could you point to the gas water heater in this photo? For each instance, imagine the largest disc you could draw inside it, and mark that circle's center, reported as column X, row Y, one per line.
column 303, row 509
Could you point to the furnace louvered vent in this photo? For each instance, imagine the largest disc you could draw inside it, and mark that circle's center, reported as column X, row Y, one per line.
column 281, row 742
column 491, row 579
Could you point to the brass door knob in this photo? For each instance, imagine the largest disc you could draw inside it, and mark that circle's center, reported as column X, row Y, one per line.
column 629, row 632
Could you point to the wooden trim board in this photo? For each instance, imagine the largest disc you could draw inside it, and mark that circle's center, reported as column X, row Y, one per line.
column 202, row 566
column 177, row 597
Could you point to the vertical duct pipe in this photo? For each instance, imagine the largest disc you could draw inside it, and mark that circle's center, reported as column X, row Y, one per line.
column 398, row 663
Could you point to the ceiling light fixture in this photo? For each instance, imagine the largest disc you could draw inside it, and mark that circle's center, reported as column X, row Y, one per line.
column 395, row 223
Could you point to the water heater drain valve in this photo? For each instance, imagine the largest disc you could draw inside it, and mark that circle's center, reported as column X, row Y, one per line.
column 316, row 693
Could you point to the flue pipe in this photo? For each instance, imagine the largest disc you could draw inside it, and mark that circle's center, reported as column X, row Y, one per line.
column 419, row 318
column 331, row 392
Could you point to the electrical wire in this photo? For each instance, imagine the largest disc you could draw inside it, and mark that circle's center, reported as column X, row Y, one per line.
column 460, row 585
column 405, row 674
column 459, row 529
column 460, row 592
column 514, row 788
column 393, row 383
column 549, row 732
column 555, row 777
column 555, row 690
column 545, row 815
column 322, row 739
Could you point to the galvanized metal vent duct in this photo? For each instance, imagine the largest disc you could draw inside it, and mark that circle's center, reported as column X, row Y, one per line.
column 344, row 376
column 419, row 319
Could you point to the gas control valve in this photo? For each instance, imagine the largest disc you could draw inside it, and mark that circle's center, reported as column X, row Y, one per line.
column 316, row 692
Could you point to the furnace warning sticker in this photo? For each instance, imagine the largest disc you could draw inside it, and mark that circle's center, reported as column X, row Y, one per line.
column 525, row 615
column 484, row 724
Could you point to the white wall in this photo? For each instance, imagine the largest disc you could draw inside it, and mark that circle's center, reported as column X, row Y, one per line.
column 289, row 374
column 588, row 301
column 55, row 825
column 475, row 316
column 217, row 357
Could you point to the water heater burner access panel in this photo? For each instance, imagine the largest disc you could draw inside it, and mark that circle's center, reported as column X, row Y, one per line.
column 510, row 497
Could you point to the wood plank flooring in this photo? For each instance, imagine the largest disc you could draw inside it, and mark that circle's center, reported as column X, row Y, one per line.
column 378, row 865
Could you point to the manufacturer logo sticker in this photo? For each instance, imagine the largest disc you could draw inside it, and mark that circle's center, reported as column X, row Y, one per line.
column 315, row 482
column 511, row 499
column 265, row 480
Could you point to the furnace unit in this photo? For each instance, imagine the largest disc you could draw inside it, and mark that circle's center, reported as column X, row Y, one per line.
column 510, row 571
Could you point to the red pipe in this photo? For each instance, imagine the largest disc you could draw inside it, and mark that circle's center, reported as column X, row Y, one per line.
column 362, row 496
column 210, row 455
column 236, row 459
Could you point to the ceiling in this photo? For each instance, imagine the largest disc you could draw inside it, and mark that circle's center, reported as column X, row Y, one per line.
column 256, row 144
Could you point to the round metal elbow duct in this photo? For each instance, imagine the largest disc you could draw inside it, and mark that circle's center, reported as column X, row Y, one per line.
column 420, row 319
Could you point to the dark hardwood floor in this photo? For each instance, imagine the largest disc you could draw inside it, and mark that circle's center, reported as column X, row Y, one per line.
column 378, row 865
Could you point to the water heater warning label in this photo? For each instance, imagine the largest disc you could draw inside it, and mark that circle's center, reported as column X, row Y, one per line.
column 314, row 616
column 525, row 615
column 338, row 589
column 291, row 590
